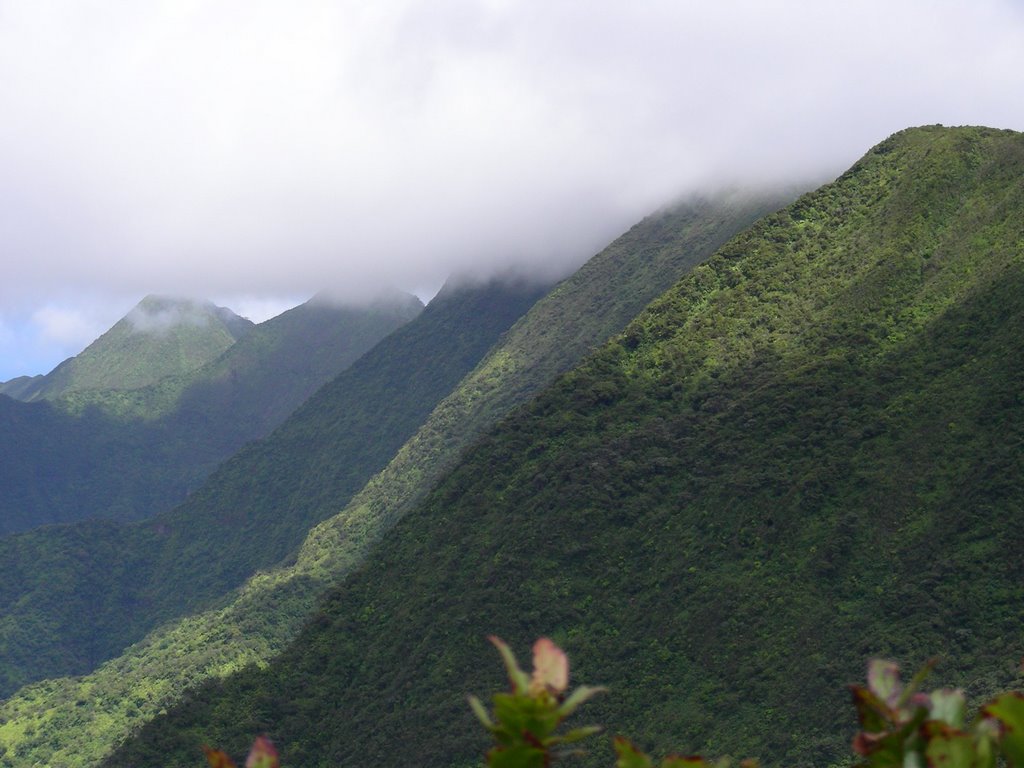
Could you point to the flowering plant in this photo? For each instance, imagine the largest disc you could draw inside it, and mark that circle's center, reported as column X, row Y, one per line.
column 526, row 719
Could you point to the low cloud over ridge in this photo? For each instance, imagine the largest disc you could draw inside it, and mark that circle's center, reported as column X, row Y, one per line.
column 268, row 150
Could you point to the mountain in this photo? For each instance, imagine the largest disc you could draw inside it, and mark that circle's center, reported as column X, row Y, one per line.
column 74, row 596
column 576, row 316
column 805, row 453
column 128, row 454
column 159, row 337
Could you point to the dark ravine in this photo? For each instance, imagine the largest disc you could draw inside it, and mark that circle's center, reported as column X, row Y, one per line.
column 806, row 453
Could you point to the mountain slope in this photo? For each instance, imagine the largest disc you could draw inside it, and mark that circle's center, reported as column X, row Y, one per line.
column 576, row 316
column 805, row 453
column 159, row 337
column 126, row 455
column 76, row 595
column 582, row 312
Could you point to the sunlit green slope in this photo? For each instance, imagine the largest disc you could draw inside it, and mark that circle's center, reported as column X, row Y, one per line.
column 160, row 337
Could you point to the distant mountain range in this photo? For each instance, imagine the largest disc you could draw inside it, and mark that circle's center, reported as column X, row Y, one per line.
column 61, row 615
column 160, row 337
column 736, row 454
column 128, row 427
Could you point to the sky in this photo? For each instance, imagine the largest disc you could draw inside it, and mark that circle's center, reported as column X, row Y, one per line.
column 254, row 152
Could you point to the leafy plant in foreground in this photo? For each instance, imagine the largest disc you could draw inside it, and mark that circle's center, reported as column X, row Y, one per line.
column 261, row 755
column 901, row 727
column 526, row 719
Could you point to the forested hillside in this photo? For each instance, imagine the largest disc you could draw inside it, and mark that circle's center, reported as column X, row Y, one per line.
column 805, row 453
column 77, row 721
column 76, row 595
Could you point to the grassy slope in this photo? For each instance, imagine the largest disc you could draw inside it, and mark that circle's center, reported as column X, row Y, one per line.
column 66, row 461
column 807, row 452
column 273, row 606
column 76, row 595
column 160, row 337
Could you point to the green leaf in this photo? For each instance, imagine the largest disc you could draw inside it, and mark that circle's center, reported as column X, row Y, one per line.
column 578, row 734
column 519, row 714
column 1008, row 710
column 949, row 706
column 884, row 681
column 872, row 713
column 918, row 680
column 481, row 713
column 629, row 756
column 519, row 679
column 950, row 748
column 518, row 756
column 577, row 697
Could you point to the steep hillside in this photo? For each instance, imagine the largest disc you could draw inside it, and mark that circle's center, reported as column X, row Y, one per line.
column 582, row 312
column 160, row 337
column 126, row 455
column 577, row 316
column 76, row 595
column 805, row 453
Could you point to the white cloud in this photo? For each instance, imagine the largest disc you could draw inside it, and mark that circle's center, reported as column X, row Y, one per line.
column 70, row 327
column 273, row 150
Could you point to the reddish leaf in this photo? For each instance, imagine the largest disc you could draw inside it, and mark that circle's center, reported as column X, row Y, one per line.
column 550, row 667
column 629, row 756
column 262, row 754
column 217, row 759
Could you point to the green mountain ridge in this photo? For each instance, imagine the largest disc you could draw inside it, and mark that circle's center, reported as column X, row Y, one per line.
column 127, row 455
column 805, row 453
column 77, row 721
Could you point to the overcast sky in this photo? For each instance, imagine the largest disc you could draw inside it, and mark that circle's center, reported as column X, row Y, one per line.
column 256, row 152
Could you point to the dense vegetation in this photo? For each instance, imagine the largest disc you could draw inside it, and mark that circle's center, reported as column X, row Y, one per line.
column 805, row 453
column 75, row 722
column 127, row 454
column 579, row 314
column 74, row 596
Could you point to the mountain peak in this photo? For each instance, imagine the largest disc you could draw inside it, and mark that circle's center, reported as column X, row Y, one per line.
column 161, row 336
column 158, row 315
